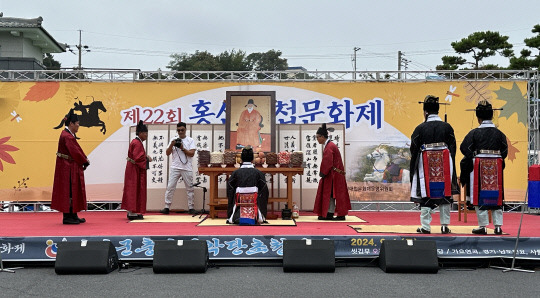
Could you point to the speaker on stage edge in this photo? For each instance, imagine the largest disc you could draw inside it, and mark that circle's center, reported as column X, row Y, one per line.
column 408, row 256
column 180, row 256
column 85, row 257
column 308, row 255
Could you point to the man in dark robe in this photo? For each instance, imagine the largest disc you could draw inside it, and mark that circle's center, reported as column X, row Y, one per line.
column 484, row 150
column 134, row 198
column 332, row 193
column 247, row 176
column 432, row 170
column 69, row 194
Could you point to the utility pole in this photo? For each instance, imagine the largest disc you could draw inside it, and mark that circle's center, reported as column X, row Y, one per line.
column 401, row 62
column 80, row 48
column 355, row 49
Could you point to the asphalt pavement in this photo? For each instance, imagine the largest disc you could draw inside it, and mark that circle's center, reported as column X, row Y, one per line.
column 271, row 281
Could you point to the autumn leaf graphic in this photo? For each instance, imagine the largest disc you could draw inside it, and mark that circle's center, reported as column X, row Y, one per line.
column 477, row 91
column 516, row 102
column 42, row 91
column 511, row 150
column 4, row 148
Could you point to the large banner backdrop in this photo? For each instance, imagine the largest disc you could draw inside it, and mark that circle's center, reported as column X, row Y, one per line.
column 378, row 118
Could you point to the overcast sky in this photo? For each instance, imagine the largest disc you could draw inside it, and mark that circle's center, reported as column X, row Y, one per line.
column 318, row 35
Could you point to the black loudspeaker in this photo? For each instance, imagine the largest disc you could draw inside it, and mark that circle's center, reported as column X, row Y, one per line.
column 85, row 257
column 408, row 256
column 180, row 256
column 309, row 256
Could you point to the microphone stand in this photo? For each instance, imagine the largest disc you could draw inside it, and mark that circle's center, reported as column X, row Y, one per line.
column 513, row 268
column 202, row 212
column 9, row 270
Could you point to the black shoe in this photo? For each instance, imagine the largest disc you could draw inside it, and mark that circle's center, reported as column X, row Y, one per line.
column 498, row 231
column 329, row 216
column 322, row 218
column 164, row 211
column 445, row 230
column 75, row 216
column 480, row 231
column 70, row 220
column 135, row 217
column 422, row 231
column 191, row 211
column 339, row 217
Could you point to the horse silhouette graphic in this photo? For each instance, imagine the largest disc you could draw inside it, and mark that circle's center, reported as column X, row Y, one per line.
column 89, row 116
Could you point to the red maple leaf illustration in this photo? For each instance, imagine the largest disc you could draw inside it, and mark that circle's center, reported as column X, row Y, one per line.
column 511, row 149
column 3, row 152
column 42, row 91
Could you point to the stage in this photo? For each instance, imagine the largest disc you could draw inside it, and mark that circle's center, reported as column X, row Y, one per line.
column 32, row 236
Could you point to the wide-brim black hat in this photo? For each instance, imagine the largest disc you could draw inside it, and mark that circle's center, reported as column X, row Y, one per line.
column 484, row 105
column 432, row 100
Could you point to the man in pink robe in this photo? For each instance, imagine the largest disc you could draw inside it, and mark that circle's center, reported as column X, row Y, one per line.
column 69, row 194
column 249, row 125
column 332, row 193
column 134, row 198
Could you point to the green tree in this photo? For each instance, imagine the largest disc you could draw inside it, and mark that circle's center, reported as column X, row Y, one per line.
column 526, row 60
column 268, row 61
column 451, row 63
column 483, row 45
column 199, row 61
column 50, row 63
column 233, row 61
column 479, row 45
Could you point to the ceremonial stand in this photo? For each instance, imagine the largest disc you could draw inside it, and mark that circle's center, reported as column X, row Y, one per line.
column 216, row 203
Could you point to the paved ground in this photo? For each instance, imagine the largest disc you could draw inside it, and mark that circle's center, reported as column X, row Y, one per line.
column 271, row 281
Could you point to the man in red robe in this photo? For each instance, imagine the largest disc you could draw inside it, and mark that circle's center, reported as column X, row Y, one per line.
column 249, row 125
column 69, row 194
column 134, row 198
column 332, row 194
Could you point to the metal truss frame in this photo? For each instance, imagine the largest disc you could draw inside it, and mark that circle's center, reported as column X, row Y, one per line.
column 46, row 206
column 101, row 75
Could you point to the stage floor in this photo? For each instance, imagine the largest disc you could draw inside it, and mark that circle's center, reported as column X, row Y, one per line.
column 33, row 235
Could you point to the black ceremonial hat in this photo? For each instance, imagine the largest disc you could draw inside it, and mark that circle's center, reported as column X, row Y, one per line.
column 71, row 117
column 432, row 100
column 484, row 105
column 323, row 131
column 141, row 127
column 484, row 110
column 250, row 101
column 247, row 154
